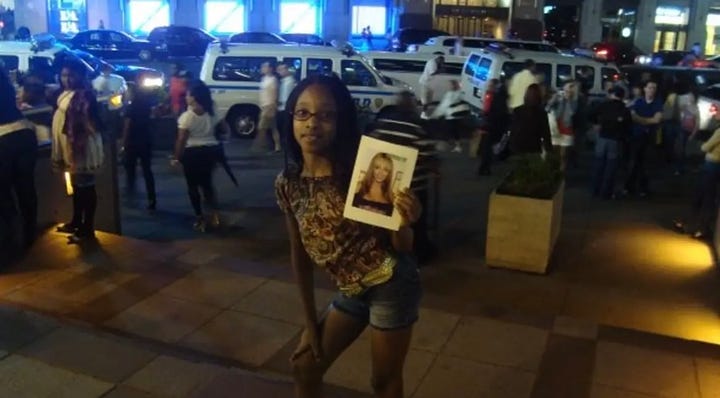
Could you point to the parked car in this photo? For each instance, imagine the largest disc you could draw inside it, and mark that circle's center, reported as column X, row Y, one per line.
column 407, row 36
column 619, row 52
column 111, row 44
column 709, row 105
column 662, row 58
column 305, row 38
column 257, row 38
column 180, row 41
column 143, row 77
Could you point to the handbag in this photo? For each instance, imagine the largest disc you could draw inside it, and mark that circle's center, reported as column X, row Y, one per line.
column 688, row 121
column 564, row 129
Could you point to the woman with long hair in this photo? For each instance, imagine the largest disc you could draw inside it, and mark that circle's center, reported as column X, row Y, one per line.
column 18, row 153
column 529, row 130
column 563, row 107
column 197, row 149
column 375, row 191
column 378, row 282
column 77, row 147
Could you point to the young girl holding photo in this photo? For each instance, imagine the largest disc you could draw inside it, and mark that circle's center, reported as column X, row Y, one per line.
column 378, row 282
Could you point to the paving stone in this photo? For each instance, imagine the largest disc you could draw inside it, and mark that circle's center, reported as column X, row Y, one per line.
column 645, row 371
column 566, row 369
column 281, row 301
column 105, row 358
column 171, row 377
column 213, row 287
column 22, row 377
column 245, row 337
column 498, row 343
column 163, row 318
column 457, row 377
column 575, row 327
column 26, row 327
column 233, row 384
column 3, row 354
column 433, row 330
column 708, row 377
column 129, row 392
column 353, row 369
column 197, row 257
column 14, row 279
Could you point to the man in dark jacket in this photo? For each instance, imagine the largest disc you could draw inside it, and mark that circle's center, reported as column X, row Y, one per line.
column 615, row 122
column 496, row 120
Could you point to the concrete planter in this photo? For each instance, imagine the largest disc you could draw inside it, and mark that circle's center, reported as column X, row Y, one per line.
column 521, row 232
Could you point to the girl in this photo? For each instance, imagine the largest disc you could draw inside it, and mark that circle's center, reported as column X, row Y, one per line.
column 563, row 107
column 689, row 123
column 529, row 130
column 77, row 147
column 375, row 191
column 379, row 284
column 137, row 143
column 18, row 152
column 197, row 148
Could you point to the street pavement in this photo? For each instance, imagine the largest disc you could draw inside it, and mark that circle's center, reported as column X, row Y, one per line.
column 628, row 308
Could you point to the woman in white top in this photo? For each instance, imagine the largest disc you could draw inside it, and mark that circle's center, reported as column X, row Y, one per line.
column 689, row 123
column 197, row 148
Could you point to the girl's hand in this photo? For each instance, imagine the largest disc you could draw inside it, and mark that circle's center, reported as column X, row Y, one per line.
column 409, row 207
column 309, row 342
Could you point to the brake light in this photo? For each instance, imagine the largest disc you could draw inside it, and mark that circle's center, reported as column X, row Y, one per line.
column 700, row 64
column 713, row 109
column 601, row 53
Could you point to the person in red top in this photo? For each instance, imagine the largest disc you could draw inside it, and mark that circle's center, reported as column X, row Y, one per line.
column 178, row 88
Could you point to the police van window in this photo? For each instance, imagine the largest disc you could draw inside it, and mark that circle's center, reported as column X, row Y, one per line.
column 585, row 75
column 354, row 73
column 448, row 42
column 43, row 68
column 712, row 93
column 472, row 64
column 474, row 43
column 483, row 69
column 295, row 66
column 9, row 62
column 399, row 65
column 452, row 68
column 319, row 66
column 564, row 73
column 240, row 69
column 509, row 69
column 610, row 75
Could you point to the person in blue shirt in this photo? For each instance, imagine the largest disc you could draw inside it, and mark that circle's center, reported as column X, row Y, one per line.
column 646, row 115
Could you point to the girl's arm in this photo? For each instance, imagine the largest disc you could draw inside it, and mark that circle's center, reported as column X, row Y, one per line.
column 712, row 142
column 126, row 131
column 403, row 239
column 303, row 269
column 410, row 210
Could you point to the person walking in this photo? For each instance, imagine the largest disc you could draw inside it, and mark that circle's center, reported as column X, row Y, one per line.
column 179, row 79
column 18, row 153
column 77, row 148
column 137, row 143
column 671, row 120
column 268, row 109
column 197, row 149
column 529, row 130
column 495, row 125
column 287, row 84
column 563, row 108
column 454, row 111
column 689, row 126
column 432, row 67
column 647, row 116
column 404, row 127
column 377, row 279
column 615, row 121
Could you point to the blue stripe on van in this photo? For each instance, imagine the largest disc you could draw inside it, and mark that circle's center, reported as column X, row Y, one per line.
column 255, row 88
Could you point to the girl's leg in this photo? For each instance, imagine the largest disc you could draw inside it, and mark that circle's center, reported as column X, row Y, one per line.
column 89, row 207
column 191, row 167
column 389, row 349
column 337, row 331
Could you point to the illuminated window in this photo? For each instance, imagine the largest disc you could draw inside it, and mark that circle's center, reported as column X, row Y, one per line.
column 299, row 17
column 223, row 16
column 145, row 15
column 372, row 16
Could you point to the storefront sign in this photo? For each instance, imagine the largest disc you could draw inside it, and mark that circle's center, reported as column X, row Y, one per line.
column 671, row 16
column 471, row 11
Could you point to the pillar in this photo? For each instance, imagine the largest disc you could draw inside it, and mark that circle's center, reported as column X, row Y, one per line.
column 697, row 23
column 591, row 22
column 416, row 14
column 98, row 10
column 527, row 19
column 336, row 20
column 263, row 15
column 32, row 14
column 645, row 25
column 187, row 12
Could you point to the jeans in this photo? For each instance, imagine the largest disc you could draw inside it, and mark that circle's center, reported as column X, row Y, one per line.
column 670, row 132
column 704, row 207
column 130, row 162
column 607, row 154
column 681, row 155
column 18, row 153
column 637, row 179
column 198, row 164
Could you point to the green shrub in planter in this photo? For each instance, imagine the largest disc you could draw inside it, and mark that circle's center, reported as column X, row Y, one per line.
column 533, row 177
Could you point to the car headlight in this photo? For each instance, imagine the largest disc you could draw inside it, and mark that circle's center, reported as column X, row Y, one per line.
column 152, row 82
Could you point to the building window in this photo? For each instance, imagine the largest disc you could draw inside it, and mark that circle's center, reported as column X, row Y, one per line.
column 146, row 15
column 372, row 16
column 224, row 16
column 67, row 17
column 299, row 17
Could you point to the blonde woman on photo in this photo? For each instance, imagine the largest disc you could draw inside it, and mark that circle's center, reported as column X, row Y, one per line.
column 375, row 191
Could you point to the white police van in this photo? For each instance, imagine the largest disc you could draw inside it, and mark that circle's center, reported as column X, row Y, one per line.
column 42, row 55
column 232, row 72
column 553, row 69
column 408, row 67
column 447, row 45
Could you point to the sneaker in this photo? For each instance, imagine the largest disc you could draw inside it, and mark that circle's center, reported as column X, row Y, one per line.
column 457, row 149
column 67, row 228
column 80, row 237
column 215, row 220
column 199, row 224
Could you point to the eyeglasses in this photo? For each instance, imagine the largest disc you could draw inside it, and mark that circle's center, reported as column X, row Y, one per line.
column 305, row 115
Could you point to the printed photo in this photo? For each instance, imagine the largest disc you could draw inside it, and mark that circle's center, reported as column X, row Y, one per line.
column 381, row 170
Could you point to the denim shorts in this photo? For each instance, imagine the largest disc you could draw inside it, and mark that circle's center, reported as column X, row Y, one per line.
column 390, row 305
